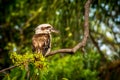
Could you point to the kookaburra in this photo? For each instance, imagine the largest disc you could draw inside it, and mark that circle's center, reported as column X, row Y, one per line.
column 41, row 40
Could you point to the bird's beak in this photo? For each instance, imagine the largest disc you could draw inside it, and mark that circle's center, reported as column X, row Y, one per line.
column 54, row 30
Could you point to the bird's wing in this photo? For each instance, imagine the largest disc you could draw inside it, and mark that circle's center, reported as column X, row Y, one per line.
column 46, row 45
column 41, row 43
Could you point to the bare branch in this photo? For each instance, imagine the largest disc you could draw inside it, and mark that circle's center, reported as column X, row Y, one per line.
column 3, row 70
column 86, row 34
column 96, row 45
column 11, row 67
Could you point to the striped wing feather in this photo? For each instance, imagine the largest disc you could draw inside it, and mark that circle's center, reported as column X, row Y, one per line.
column 41, row 43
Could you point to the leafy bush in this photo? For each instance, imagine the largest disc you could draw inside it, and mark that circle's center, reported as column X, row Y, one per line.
column 70, row 67
column 74, row 67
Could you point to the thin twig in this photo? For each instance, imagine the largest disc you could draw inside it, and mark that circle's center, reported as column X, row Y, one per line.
column 96, row 45
column 3, row 70
column 11, row 67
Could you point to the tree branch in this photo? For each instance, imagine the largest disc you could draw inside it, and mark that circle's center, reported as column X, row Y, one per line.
column 7, row 69
column 11, row 67
column 86, row 34
column 97, row 46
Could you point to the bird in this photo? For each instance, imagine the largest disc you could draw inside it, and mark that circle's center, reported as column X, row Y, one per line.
column 41, row 40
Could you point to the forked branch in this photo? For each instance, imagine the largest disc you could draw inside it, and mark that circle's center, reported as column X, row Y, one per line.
column 86, row 34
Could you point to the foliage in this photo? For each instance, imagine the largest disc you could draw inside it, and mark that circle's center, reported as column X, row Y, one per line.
column 68, row 68
column 74, row 67
column 22, row 60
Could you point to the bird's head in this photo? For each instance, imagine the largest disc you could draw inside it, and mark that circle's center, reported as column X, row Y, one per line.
column 45, row 29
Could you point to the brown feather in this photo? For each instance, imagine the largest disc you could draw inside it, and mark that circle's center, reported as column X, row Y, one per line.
column 41, row 43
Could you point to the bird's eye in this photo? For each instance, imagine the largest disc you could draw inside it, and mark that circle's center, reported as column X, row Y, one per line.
column 43, row 28
column 48, row 27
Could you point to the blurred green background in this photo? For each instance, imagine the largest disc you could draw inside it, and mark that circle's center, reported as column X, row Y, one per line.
column 18, row 19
